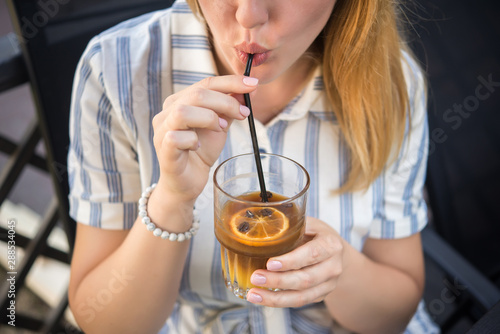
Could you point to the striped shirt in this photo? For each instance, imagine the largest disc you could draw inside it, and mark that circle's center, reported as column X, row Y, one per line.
column 120, row 84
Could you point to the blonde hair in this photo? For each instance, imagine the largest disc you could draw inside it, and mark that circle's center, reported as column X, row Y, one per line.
column 361, row 50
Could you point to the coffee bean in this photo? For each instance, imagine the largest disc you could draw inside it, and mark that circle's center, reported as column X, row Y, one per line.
column 266, row 212
column 244, row 227
column 249, row 214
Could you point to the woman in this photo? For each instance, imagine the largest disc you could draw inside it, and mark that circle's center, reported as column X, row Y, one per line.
column 158, row 99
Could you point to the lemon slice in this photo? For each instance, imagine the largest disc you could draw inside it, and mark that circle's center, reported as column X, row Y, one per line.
column 257, row 224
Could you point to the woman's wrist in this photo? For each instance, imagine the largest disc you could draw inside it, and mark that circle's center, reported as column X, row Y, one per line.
column 168, row 212
column 157, row 231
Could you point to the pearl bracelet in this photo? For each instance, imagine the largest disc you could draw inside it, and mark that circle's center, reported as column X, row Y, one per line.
column 158, row 232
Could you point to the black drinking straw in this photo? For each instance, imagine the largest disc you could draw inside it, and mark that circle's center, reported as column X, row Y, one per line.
column 255, row 144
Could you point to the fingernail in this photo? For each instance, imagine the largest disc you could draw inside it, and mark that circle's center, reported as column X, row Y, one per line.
column 254, row 298
column 274, row 265
column 222, row 123
column 250, row 81
column 257, row 279
column 244, row 111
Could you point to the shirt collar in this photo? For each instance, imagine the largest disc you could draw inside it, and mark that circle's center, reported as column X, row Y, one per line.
column 311, row 100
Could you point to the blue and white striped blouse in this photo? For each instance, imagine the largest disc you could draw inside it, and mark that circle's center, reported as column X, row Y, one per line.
column 120, row 84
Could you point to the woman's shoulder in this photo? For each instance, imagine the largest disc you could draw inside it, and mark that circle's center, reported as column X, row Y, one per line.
column 130, row 42
column 143, row 25
column 416, row 85
column 413, row 72
column 139, row 27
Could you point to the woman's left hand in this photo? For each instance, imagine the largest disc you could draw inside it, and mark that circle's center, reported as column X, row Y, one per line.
column 305, row 275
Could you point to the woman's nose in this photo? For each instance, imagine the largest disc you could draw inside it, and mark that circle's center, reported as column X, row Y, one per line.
column 252, row 13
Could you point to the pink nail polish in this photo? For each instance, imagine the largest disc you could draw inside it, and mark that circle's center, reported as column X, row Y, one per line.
column 274, row 265
column 250, row 81
column 258, row 279
column 244, row 111
column 254, row 298
column 222, row 123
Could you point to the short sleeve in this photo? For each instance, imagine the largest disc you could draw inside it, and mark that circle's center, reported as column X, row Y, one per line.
column 402, row 210
column 102, row 161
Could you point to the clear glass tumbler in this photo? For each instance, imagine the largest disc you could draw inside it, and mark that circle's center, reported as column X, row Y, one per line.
column 249, row 230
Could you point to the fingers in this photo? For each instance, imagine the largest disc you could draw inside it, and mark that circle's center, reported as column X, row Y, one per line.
column 302, row 279
column 197, row 118
column 290, row 298
column 296, row 287
column 216, row 94
column 305, row 275
column 220, row 104
column 182, row 140
column 177, row 142
column 312, row 252
column 205, row 105
column 230, row 84
column 186, row 117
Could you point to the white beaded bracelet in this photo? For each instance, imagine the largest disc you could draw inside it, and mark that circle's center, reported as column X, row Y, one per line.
column 158, row 232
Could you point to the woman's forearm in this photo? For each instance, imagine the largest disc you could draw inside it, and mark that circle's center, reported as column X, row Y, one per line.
column 371, row 297
column 135, row 288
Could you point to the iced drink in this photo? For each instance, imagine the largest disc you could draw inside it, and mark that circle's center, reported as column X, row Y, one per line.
column 250, row 231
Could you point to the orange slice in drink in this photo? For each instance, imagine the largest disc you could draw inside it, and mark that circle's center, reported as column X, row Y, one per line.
column 258, row 224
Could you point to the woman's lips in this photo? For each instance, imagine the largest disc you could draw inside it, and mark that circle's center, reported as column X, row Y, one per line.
column 260, row 54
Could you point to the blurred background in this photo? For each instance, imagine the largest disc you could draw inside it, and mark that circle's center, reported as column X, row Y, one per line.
column 457, row 43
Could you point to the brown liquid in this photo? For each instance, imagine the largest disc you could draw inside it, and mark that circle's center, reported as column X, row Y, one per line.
column 240, row 260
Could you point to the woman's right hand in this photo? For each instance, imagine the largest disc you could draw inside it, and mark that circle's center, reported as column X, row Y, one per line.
column 191, row 130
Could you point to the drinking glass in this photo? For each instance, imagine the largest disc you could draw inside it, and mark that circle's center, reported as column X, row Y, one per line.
column 249, row 230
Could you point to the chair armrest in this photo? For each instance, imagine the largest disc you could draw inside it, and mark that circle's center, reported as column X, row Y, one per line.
column 489, row 323
column 448, row 259
column 12, row 68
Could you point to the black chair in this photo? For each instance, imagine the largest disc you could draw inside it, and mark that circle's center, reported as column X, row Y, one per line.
column 49, row 39
column 52, row 40
column 458, row 44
